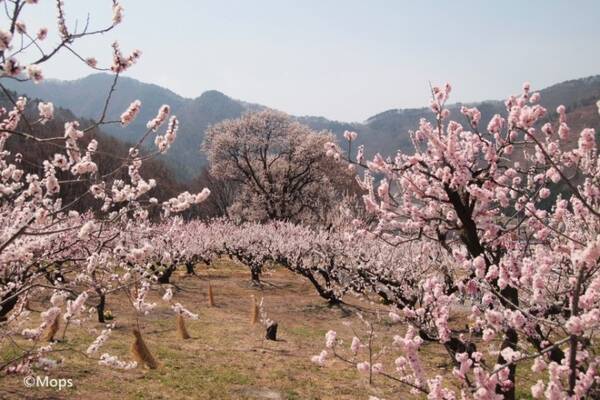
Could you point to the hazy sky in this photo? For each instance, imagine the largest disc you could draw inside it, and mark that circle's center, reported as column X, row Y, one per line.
column 341, row 59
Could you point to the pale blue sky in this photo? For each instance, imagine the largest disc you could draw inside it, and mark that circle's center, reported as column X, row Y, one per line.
column 342, row 59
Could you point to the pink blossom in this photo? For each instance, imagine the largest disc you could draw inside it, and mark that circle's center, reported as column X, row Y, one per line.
column 363, row 367
column 575, row 326
column 91, row 61
column 168, row 295
column 21, row 27
column 11, row 67
column 563, row 131
column 350, row 136
column 377, row 368
column 553, row 174
column 479, row 265
column 495, row 124
column 320, row 359
column 131, row 113
column 587, row 140
column 42, row 33
column 561, row 110
column 488, row 334
column 5, row 39
column 75, row 307
column 162, row 115
column 537, row 390
column 35, row 73
column 117, row 17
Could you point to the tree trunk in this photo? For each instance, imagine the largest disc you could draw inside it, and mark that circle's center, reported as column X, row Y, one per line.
column 510, row 340
column 327, row 294
column 166, row 275
column 455, row 346
column 255, row 276
column 556, row 354
column 573, row 338
column 271, row 331
column 100, row 308
column 7, row 304
column 510, row 299
column 333, row 301
column 189, row 267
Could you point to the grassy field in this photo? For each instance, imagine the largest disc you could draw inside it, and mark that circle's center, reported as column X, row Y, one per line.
column 227, row 357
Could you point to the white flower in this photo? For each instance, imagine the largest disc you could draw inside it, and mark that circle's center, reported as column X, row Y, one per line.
column 330, row 339
column 168, row 295
column 86, row 229
column 179, row 309
column 114, row 362
column 46, row 111
column 100, row 340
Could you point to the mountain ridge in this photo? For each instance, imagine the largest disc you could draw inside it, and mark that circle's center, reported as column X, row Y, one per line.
column 383, row 131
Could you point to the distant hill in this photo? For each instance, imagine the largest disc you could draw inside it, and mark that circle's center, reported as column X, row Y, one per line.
column 85, row 98
column 109, row 149
column 384, row 132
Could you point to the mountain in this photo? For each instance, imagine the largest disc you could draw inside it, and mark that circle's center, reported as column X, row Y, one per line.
column 86, row 98
column 384, row 132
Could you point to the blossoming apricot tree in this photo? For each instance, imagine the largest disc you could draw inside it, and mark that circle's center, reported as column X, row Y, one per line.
column 516, row 207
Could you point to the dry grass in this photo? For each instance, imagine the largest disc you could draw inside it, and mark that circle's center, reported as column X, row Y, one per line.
column 226, row 357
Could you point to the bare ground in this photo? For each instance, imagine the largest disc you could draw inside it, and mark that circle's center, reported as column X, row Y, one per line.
column 227, row 357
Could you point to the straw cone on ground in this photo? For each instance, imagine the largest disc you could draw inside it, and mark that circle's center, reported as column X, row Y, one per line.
column 52, row 329
column 211, row 298
column 181, row 329
column 140, row 351
column 253, row 310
